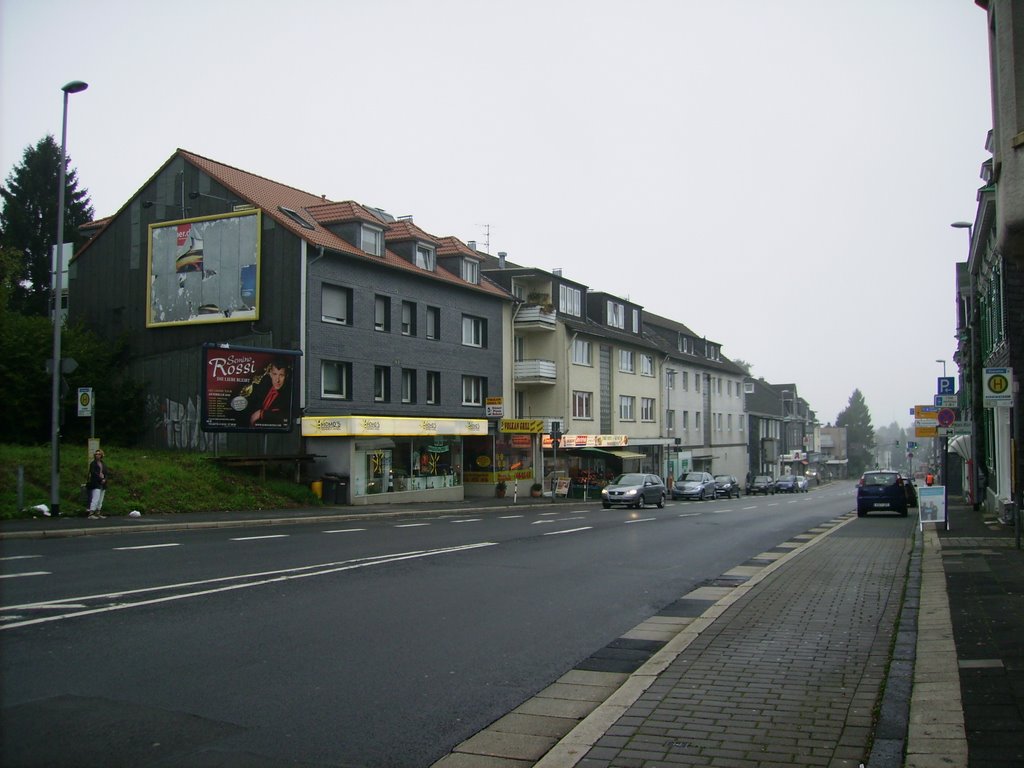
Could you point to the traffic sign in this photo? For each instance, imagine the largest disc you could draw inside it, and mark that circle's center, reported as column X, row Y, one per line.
column 947, row 401
column 923, row 412
column 947, row 385
column 997, row 387
column 946, row 417
column 85, row 401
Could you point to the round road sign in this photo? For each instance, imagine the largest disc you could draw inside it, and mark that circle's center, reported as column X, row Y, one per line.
column 945, row 417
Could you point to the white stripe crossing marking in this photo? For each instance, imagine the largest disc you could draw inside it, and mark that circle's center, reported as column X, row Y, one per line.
column 641, row 520
column 146, row 546
column 411, row 525
column 510, row 517
column 470, row 520
column 346, row 530
column 690, row 514
column 257, row 538
column 570, row 530
column 23, row 575
column 20, row 557
column 267, row 577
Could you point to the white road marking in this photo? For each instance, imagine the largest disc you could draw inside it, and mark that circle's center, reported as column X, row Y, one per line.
column 411, row 525
column 570, row 530
column 690, row 514
column 641, row 520
column 147, row 546
column 470, row 520
column 22, row 575
column 346, row 530
column 287, row 574
column 510, row 517
column 20, row 557
column 257, row 538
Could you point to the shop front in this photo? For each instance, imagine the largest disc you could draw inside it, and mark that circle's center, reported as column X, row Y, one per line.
column 507, row 456
column 386, row 459
column 588, row 463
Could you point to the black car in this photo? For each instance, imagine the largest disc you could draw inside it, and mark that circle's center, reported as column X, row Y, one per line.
column 761, row 484
column 882, row 489
column 727, row 486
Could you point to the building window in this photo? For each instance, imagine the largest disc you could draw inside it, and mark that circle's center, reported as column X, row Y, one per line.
column 684, row 343
column 336, row 304
column 408, row 385
column 371, row 240
column 473, row 390
column 581, row 352
column 685, row 379
column 686, row 420
column 336, row 380
column 740, row 421
column 474, row 331
column 636, row 321
column 471, row 271
column 381, row 384
column 670, row 420
column 647, row 409
column 581, row 403
column 382, row 314
column 425, row 257
column 627, row 405
column 433, row 387
column 616, row 314
column 646, row 365
column 408, row 318
column 626, row 363
column 696, row 420
column 728, row 421
column 569, row 300
column 696, row 382
column 433, row 323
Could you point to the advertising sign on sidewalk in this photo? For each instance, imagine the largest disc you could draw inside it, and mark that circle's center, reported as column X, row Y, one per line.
column 931, row 505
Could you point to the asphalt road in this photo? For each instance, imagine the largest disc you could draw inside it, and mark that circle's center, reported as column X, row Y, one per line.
column 357, row 643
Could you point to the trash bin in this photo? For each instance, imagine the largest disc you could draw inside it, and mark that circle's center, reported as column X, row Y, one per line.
column 329, row 488
column 335, row 488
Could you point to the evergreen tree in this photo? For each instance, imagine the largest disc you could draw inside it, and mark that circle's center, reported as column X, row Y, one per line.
column 860, row 435
column 28, row 221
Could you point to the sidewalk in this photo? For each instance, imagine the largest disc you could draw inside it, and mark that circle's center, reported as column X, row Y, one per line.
column 833, row 649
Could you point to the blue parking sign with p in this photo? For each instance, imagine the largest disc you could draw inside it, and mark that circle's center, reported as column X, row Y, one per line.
column 947, row 385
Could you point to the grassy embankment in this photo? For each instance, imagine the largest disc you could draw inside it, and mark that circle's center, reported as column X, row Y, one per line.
column 153, row 482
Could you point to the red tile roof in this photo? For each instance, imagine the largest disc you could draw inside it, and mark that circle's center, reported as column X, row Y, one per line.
column 404, row 229
column 452, row 246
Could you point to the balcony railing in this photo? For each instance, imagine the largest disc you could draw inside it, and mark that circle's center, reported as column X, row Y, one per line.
column 535, row 372
column 535, row 317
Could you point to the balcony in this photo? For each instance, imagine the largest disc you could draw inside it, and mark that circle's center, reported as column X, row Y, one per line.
column 528, row 372
column 534, row 317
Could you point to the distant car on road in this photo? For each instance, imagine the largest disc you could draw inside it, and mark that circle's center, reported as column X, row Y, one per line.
column 786, row 484
column 694, row 485
column 634, row 489
column 911, row 488
column 881, row 489
column 761, row 484
column 727, row 486
column 801, row 483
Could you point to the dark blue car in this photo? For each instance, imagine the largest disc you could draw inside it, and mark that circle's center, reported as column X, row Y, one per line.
column 786, row 484
column 881, row 489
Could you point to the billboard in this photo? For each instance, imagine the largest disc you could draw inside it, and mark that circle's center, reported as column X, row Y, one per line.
column 246, row 389
column 204, row 270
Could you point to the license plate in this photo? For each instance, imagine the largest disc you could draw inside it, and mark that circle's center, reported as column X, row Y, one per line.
column 882, row 504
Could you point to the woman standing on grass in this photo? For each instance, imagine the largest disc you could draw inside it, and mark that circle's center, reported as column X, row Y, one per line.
column 97, row 485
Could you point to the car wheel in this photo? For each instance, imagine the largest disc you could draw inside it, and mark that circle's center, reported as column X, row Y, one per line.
column 606, row 505
column 661, row 501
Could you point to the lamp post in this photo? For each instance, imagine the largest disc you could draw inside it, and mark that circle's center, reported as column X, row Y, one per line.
column 939, row 360
column 75, row 86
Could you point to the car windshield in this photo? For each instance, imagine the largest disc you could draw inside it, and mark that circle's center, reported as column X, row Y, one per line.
column 762, row 479
column 723, row 479
column 880, row 478
column 694, row 477
column 632, row 478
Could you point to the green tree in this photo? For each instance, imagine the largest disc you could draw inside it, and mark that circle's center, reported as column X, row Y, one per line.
column 860, row 435
column 28, row 221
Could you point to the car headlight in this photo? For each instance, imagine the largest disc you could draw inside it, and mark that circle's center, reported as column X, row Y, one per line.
column 630, row 492
column 604, row 491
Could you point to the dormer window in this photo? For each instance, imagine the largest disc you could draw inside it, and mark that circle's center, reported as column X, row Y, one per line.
column 371, row 240
column 684, row 343
column 616, row 314
column 425, row 257
column 471, row 271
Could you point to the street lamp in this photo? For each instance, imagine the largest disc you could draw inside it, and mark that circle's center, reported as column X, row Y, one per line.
column 75, row 86
column 938, row 360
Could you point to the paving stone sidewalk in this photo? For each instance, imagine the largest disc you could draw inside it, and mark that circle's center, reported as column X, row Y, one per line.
column 788, row 675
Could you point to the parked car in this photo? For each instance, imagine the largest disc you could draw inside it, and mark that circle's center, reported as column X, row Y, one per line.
column 761, row 484
column 727, row 486
column 911, row 488
column 634, row 489
column 801, row 483
column 881, row 489
column 694, row 485
column 786, row 484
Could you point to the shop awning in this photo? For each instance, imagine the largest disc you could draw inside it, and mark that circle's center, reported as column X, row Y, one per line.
column 961, row 446
column 607, row 452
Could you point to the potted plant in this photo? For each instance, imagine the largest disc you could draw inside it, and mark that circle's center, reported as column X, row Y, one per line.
column 500, row 488
column 536, row 489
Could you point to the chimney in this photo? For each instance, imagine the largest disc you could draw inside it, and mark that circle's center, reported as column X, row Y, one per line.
column 501, row 259
column 557, row 271
column 472, row 245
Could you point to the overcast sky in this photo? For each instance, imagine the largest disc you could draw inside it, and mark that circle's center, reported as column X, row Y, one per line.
column 779, row 175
